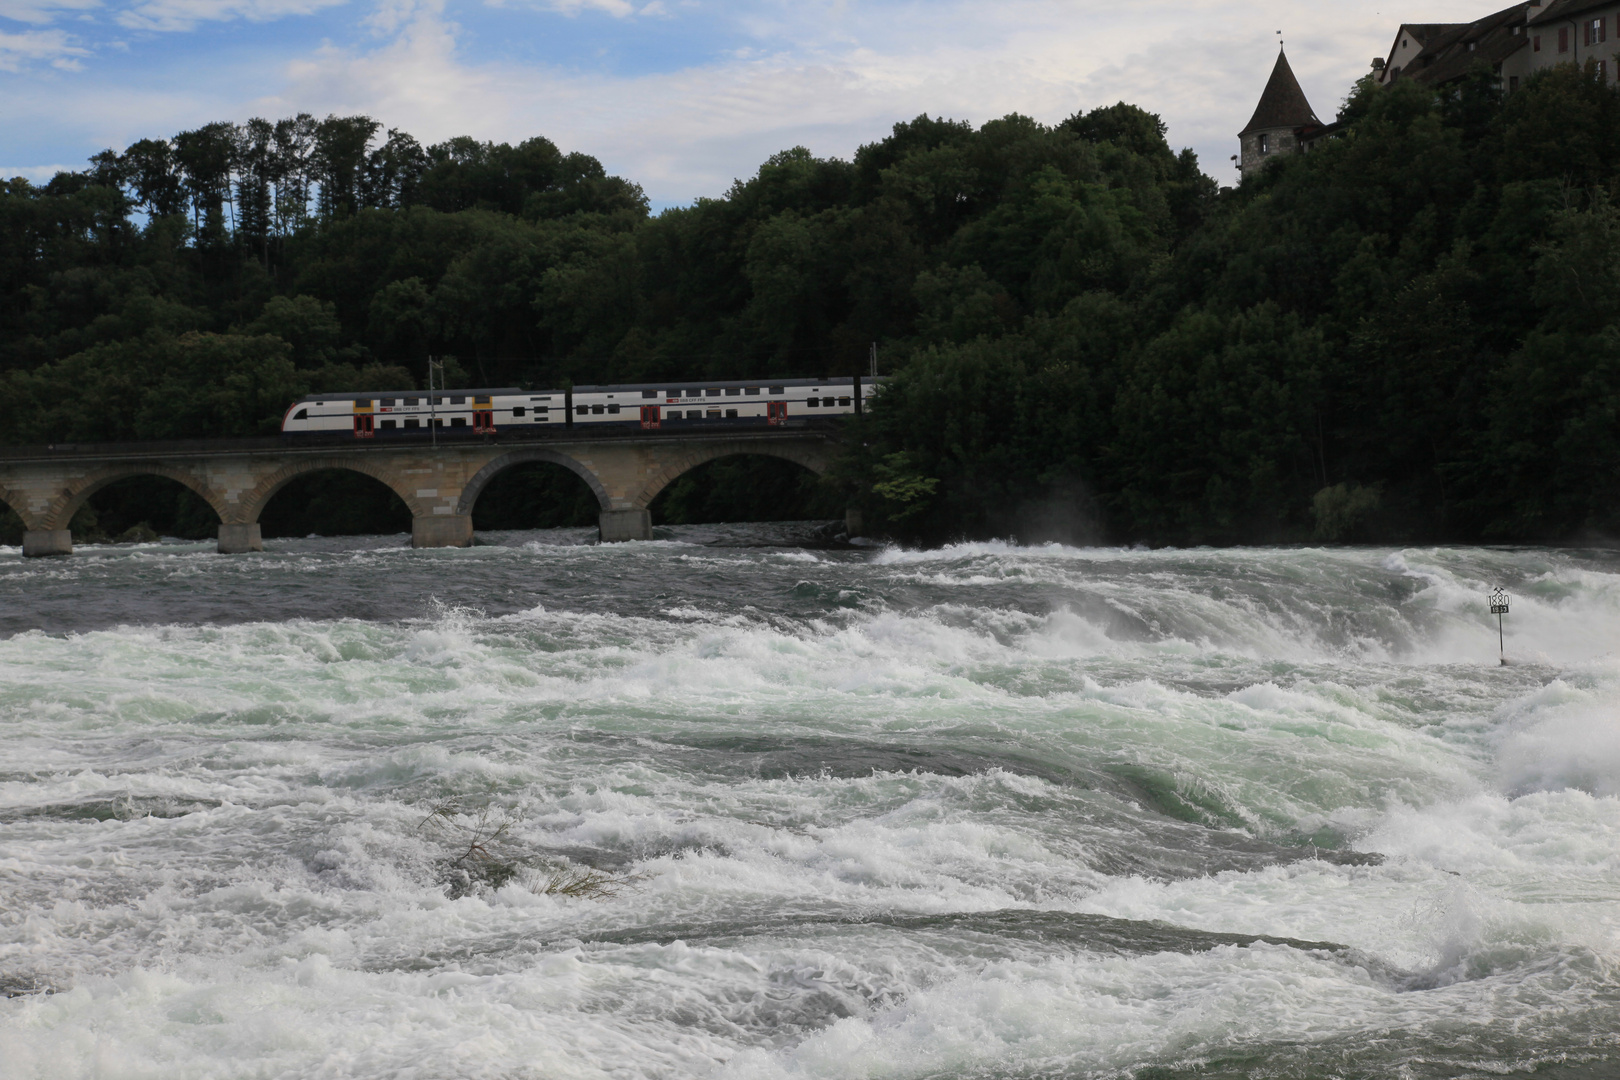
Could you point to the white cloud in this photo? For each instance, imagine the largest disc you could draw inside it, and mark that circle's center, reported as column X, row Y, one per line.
column 179, row 15
column 34, row 46
column 824, row 74
column 834, row 75
column 39, row 12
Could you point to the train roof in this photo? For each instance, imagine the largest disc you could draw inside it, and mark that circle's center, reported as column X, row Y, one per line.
column 768, row 381
column 356, row 395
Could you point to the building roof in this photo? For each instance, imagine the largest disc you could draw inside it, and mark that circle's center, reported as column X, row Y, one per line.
column 1561, row 9
column 1457, row 49
column 1283, row 104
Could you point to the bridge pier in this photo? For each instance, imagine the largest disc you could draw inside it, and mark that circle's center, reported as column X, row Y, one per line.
column 441, row 530
column 236, row 539
column 619, row 525
column 38, row 542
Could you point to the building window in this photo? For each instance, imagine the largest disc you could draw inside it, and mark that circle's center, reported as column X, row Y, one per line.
column 1597, row 31
column 1265, row 143
column 1513, row 83
column 1603, row 70
column 1535, row 43
column 1563, row 39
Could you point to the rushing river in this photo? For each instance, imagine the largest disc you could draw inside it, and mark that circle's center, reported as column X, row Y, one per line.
column 981, row 812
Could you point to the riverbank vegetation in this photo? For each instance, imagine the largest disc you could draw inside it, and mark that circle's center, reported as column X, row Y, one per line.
column 1411, row 333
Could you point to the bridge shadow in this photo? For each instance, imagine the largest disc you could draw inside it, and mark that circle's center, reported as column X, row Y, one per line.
column 535, row 495
column 143, row 508
column 744, row 488
column 334, row 502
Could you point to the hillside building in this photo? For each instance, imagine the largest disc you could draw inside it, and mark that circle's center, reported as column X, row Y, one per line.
column 1512, row 44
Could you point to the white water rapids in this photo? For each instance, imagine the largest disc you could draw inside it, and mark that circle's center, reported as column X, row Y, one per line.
column 986, row 811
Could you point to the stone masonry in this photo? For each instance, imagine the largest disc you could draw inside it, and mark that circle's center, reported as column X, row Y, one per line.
column 46, row 486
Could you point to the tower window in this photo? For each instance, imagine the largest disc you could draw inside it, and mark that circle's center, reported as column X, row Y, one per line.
column 1563, row 39
column 1265, row 143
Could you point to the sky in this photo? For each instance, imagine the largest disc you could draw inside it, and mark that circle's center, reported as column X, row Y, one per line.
column 681, row 96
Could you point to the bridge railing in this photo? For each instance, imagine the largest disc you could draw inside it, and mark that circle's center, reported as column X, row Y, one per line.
column 346, row 441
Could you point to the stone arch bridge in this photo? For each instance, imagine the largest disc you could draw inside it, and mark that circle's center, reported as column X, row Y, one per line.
column 46, row 485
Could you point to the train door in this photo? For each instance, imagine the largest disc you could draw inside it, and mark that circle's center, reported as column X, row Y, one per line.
column 483, row 415
column 775, row 412
column 363, row 426
column 651, row 417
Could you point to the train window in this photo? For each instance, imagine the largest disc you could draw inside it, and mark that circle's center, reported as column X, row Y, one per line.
column 694, row 414
column 731, row 413
column 547, row 398
column 480, row 399
column 649, row 393
column 714, row 414
column 386, row 402
column 542, row 410
column 613, row 408
column 438, row 422
column 843, row 403
column 583, row 410
column 413, row 424
column 714, row 391
column 412, row 401
column 694, row 393
column 778, row 389
column 301, row 414
column 598, row 410
column 733, row 391
column 812, row 403
column 752, row 391
column 458, row 400
column 387, row 425
column 518, row 410
column 458, row 421
column 362, row 403
column 438, row 400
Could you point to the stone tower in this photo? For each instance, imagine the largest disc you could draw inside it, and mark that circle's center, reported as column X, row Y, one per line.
column 1282, row 118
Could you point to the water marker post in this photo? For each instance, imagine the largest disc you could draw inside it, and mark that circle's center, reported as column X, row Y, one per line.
column 1499, row 608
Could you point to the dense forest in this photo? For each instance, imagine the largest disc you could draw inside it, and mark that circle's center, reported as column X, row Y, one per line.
column 1411, row 333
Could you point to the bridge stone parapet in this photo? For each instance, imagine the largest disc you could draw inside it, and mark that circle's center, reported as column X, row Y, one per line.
column 46, row 486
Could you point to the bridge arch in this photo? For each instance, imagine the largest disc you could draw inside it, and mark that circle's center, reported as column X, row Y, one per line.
column 480, row 480
column 59, row 512
column 251, row 503
column 816, row 457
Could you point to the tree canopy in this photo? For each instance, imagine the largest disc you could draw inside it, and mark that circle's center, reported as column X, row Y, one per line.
column 1411, row 332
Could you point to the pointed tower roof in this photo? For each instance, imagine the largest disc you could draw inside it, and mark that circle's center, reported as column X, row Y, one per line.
column 1283, row 105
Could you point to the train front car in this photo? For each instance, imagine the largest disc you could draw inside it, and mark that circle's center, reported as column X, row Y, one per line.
column 696, row 405
column 414, row 414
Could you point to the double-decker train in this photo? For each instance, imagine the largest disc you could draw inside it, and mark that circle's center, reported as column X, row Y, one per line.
column 684, row 405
